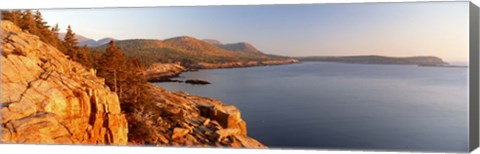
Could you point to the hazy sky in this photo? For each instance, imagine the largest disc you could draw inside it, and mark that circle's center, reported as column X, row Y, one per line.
column 391, row 29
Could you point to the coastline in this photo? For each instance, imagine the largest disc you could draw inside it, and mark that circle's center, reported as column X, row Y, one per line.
column 50, row 99
column 163, row 72
column 243, row 64
column 190, row 121
column 159, row 72
column 204, row 121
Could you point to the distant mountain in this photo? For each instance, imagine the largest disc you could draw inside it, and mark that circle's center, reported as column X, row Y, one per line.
column 242, row 46
column 212, row 41
column 189, row 43
column 185, row 49
column 82, row 40
column 103, row 41
column 374, row 59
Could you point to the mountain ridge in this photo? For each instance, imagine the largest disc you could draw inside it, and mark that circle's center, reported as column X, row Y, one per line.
column 241, row 47
column 186, row 50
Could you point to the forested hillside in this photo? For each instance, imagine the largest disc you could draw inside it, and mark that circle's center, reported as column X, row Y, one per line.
column 185, row 50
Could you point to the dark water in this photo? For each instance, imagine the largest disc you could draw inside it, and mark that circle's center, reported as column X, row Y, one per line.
column 345, row 106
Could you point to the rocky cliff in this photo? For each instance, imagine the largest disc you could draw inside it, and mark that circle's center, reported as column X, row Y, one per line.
column 179, row 119
column 49, row 99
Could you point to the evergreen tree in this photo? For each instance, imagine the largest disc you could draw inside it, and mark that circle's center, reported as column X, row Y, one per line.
column 6, row 15
column 36, row 25
column 111, row 67
column 84, row 57
column 28, row 22
column 122, row 76
column 43, row 30
column 56, row 41
column 70, row 43
column 16, row 17
column 39, row 22
column 55, row 29
column 13, row 16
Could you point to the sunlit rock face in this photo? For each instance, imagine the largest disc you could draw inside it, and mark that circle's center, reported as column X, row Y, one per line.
column 49, row 99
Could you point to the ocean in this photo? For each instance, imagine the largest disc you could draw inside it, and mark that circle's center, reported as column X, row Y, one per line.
column 324, row 105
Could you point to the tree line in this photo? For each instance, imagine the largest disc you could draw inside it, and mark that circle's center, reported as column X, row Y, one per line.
column 34, row 23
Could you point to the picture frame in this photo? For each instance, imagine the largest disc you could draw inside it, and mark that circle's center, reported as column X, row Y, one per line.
column 472, row 87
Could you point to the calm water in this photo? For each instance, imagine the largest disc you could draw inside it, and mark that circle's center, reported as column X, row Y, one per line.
column 347, row 106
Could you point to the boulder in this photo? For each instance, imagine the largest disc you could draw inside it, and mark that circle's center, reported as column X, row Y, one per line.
column 179, row 132
column 222, row 133
column 228, row 116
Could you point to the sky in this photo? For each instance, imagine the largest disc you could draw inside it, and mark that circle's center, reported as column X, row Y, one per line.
column 389, row 29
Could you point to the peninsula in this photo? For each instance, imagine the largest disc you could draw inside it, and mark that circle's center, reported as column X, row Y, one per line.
column 374, row 59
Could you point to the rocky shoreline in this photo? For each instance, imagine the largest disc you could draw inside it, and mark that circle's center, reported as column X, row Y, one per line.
column 163, row 72
column 192, row 121
column 49, row 99
column 243, row 64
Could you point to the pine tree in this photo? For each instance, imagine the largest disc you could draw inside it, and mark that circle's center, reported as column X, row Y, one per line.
column 122, row 76
column 16, row 17
column 35, row 24
column 43, row 30
column 56, row 41
column 27, row 22
column 111, row 67
column 6, row 15
column 70, row 40
column 55, row 29
column 39, row 22
column 84, row 57
column 70, row 43
column 13, row 16
column 41, row 25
